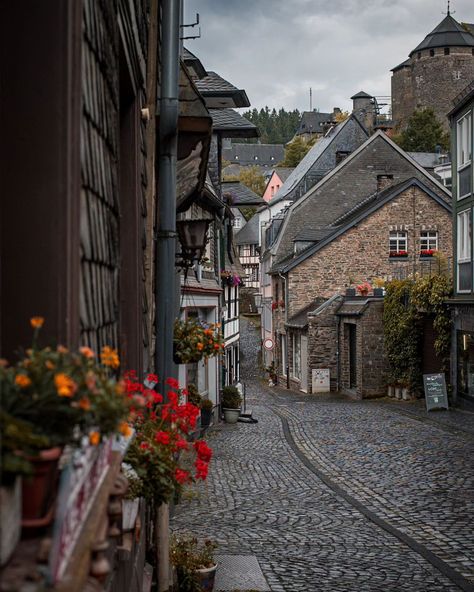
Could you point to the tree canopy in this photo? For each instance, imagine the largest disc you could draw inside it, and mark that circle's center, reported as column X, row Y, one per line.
column 423, row 133
column 295, row 151
column 276, row 127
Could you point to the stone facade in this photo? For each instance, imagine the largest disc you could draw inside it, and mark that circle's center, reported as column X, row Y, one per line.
column 362, row 253
column 430, row 81
column 369, row 355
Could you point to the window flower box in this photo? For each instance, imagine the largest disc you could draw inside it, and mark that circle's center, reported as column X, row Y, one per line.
column 427, row 252
column 398, row 254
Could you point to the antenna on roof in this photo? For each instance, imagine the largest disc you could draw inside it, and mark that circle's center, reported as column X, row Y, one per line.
column 310, row 99
column 192, row 25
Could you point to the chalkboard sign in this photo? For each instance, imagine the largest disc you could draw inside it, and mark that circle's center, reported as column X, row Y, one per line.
column 435, row 391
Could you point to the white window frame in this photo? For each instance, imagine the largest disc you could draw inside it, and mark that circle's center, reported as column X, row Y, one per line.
column 430, row 241
column 464, row 241
column 400, row 237
column 283, row 354
column 463, row 147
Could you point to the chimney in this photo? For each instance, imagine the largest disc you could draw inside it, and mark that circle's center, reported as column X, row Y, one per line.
column 384, row 181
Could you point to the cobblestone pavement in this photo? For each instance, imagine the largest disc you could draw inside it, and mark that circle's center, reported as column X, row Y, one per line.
column 338, row 495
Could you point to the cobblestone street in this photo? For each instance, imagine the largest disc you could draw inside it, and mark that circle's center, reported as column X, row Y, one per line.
column 332, row 494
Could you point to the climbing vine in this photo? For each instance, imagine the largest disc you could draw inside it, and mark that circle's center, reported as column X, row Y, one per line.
column 406, row 303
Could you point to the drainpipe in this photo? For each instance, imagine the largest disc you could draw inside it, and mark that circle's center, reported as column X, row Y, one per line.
column 338, row 356
column 286, row 320
column 166, row 285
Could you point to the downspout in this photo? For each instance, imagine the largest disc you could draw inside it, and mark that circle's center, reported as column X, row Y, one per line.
column 166, row 288
column 286, row 320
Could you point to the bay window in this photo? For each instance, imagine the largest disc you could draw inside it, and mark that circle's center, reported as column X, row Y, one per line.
column 464, row 251
column 464, row 155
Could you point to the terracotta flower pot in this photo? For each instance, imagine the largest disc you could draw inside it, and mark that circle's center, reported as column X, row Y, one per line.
column 39, row 491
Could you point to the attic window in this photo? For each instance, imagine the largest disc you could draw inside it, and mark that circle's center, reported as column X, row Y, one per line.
column 236, row 158
column 341, row 155
column 256, row 157
column 446, row 51
column 431, row 52
column 418, row 55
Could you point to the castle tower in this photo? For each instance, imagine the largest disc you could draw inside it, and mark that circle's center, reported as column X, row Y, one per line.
column 437, row 70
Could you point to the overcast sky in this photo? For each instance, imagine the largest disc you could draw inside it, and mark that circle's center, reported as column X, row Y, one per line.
column 277, row 49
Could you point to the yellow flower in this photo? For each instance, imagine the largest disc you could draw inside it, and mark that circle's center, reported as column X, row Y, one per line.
column 37, row 322
column 125, row 429
column 109, row 357
column 87, row 352
column 65, row 385
column 22, row 381
column 94, row 438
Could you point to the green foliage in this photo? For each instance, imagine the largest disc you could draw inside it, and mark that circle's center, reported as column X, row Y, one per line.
column 423, row 133
column 296, row 150
column 231, row 398
column 188, row 554
column 406, row 303
column 276, row 127
column 252, row 178
column 248, row 211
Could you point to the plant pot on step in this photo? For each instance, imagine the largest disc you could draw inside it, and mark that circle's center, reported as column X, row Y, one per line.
column 40, row 490
column 391, row 391
column 231, row 415
column 207, row 577
column 406, row 394
column 398, row 392
column 10, row 518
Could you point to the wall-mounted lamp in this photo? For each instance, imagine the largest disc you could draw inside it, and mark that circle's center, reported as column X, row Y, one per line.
column 258, row 302
column 193, row 238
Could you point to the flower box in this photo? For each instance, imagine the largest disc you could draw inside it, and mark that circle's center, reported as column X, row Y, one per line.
column 398, row 254
column 428, row 252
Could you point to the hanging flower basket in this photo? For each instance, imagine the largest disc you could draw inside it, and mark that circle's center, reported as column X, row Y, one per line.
column 194, row 341
column 231, row 279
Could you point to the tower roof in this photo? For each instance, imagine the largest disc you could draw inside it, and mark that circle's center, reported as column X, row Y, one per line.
column 449, row 33
column 361, row 95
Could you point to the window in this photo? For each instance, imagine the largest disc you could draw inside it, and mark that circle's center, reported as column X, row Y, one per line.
column 283, row 354
column 428, row 241
column 431, row 52
column 296, row 355
column 464, row 240
column 418, row 55
column 273, row 190
column 446, row 51
column 398, row 244
column 464, row 154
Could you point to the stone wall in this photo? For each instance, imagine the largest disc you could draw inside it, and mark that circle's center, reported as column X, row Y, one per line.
column 434, row 81
column 362, row 253
column 322, row 342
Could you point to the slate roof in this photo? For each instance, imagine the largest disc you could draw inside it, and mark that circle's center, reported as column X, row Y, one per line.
column 228, row 120
column 459, row 100
column 361, row 95
column 310, row 161
column 284, row 172
column 313, row 234
column 194, row 63
column 347, row 187
column 214, row 85
column 251, row 154
column 405, row 64
column 428, row 160
column 449, row 33
column 363, row 209
column 313, row 122
column 241, row 194
column 300, row 319
column 249, row 234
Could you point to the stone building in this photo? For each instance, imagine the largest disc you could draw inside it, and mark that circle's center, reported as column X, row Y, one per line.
column 374, row 216
column 434, row 73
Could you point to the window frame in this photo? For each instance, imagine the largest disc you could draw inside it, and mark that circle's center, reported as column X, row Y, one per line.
column 428, row 239
column 463, row 146
column 398, row 238
column 464, row 245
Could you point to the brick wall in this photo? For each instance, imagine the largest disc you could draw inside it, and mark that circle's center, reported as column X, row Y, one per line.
column 322, row 342
column 361, row 253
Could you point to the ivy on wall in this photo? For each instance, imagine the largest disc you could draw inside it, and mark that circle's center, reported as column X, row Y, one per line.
column 406, row 303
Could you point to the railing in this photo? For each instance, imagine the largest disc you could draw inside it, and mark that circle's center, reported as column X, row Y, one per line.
column 423, row 268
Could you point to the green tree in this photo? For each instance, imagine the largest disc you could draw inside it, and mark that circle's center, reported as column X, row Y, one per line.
column 276, row 127
column 252, row 178
column 296, row 150
column 423, row 133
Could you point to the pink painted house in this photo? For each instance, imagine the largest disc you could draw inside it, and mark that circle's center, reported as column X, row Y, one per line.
column 278, row 176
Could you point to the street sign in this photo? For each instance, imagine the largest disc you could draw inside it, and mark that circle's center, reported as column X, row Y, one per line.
column 268, row 343
column 436, row 396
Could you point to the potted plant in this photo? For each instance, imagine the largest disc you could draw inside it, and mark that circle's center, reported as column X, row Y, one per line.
column 350, row 291
column 379, row 284
column 364, row 288
column 231, row 401
column 206, row 412
column 62, row 398
column 194, row 341
column 194, row 562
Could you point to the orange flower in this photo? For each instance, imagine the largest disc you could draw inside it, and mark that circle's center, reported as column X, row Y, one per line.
column 49, row 365
column 87, row 352
column 84, row 404
column 120, row 387
column 125, row 429
column 200, row 346
column 22, row 381
column 94, row 438
column 3, row 363
column 37, row 322
column 65, row 386
column 62, row 350
column 109, row 357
